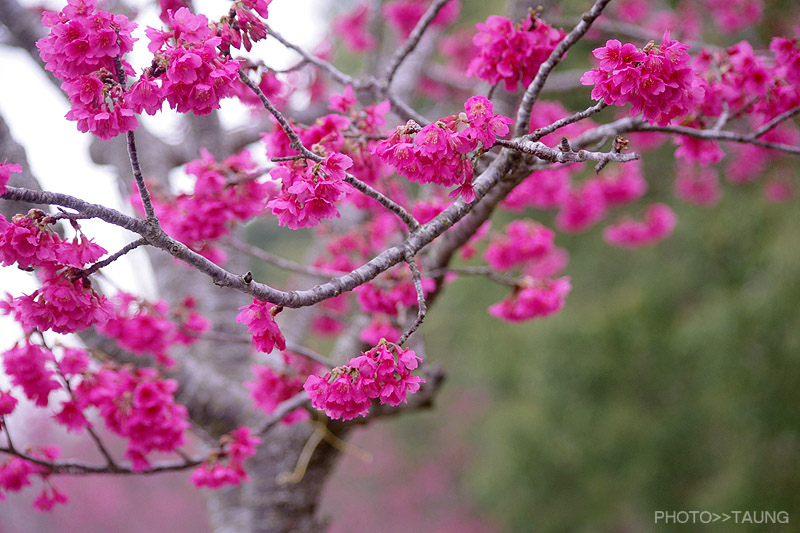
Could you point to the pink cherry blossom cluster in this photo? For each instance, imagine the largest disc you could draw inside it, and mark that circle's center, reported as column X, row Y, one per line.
column 683, row 19
column 138, row 405
column 149, row 328
column 15, row 474
column 242, row 27
column 543, row 189
column 787, row 58
column 657, row 80
column 226, row 465
column 224, row 193
column 6, row 169
column 697, row 185
column 66, row 302
column 353, row 29
column 658, row 224
column 326, row 138
column 512, row 53
column 778, row 190
column 7, row 405
column 522, row 241
column 588, row 203
column 583, row 207
column 750, row 162
column 735, row 76
column 271, row 386
column 533, row 298
column 309, row 193
column 734, row 15
column 379, row 327
column 81, row 49
column 437, row 153
column 382, row 373
column 622, row 184
column 31, row 367
column 699, row 151
column 392, row 291
column 63, row 304
column 30, row 242
column 194, row 76
column 168, row 6
column 259, row 317
column 403, row 15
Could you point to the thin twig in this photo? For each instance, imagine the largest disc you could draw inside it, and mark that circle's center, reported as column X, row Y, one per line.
column 280, row 262
column 484, row 271
column 283, row 409
column 332, row 71
column 8, row 434
column 76, row 467
column 287, row 158
column 308, row 353
column 535, row 87
column 405, row 111
column 422, row 307
column 542, row 151
column 296, row 143
column 786, row 115
column 407, row 218
column 413, row 40
column 711, row 135
column 724, row 117
column 105, row 262
column 302, row 351
column 580, row 115
column 144, row 194
column 103, row 451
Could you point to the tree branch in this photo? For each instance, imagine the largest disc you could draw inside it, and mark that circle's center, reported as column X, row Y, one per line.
column 280, row 262
column 417, row 239
column 332, row 71
column 532, row 93
column 407, row 218
column 77, row 467
column 422, row 307
column 775, row 121
column 107, row 261
column 546, row 153
column 580, row 115
column 413, row 40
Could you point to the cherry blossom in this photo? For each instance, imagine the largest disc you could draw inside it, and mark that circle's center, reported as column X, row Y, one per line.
column 658, row 224
column 259, row 317
column 533, row 298
column 512, row 53
column 382, row 373
column 658, row 81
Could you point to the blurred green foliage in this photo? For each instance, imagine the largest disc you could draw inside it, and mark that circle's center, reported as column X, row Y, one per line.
column 669, row 382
